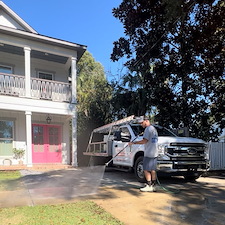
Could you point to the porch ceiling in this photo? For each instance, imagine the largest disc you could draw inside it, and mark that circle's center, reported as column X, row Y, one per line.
column 34, row 54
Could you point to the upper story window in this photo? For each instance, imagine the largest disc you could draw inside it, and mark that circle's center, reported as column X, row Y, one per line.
column 6, row 69
column 45, row 75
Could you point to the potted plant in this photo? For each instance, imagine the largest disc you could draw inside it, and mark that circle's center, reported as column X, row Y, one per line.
column 18, row 154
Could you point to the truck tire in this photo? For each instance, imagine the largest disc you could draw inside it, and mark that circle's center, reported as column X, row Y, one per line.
column 191, row 178
column 138, row 170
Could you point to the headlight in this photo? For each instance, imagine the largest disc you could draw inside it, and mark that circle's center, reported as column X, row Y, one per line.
column 162, row 148
column 207, row 148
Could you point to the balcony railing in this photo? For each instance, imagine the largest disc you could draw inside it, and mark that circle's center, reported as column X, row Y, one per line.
column 14, row 85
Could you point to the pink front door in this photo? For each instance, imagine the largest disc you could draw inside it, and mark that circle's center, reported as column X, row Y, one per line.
column 46, row 146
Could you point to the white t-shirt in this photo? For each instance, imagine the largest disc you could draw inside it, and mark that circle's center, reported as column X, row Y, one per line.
column 151, row 147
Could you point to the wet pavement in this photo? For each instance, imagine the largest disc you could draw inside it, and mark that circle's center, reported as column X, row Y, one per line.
column 51, row 187
column 176, row 202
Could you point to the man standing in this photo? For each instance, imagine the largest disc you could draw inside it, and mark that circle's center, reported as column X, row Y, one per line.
column 150, row 140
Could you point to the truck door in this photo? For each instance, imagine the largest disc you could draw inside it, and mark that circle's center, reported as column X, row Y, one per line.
column 124, row 157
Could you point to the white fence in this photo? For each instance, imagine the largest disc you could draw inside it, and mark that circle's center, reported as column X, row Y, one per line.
column 217, row 155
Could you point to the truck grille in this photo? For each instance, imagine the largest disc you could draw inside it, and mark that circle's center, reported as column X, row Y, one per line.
column 187, row 155
column 186, row 151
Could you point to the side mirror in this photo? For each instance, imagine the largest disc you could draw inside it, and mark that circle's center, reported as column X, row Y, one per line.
column 117, row 136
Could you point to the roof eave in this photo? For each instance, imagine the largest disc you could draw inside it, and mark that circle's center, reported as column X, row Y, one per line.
column 20, row 21
column 45, row 39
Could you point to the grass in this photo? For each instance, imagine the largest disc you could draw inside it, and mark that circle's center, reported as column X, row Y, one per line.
column 80, row 212
column 9, row 175
column 9, row 180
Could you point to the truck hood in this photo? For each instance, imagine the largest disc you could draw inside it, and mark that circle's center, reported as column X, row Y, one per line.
column 167, row 140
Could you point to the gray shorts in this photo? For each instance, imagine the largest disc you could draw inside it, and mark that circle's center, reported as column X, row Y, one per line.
column 149, row 163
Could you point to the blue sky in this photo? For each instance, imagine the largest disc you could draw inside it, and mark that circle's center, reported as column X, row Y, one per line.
column 86, row 22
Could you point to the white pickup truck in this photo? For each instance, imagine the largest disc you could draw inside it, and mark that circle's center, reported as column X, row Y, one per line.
column 178, row 156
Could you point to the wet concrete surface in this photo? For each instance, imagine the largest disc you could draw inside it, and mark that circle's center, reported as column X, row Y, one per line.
column 176, row 201
column 51, row 187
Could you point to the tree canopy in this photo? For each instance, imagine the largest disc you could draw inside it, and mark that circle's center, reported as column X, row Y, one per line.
column 93, row 93
column 175, row 53
column 93, row 96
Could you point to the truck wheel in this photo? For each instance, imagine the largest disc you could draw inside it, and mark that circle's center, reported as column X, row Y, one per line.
column 191, row 178
column 138, row 170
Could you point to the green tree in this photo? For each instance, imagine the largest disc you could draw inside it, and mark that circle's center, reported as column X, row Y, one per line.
column 93, row 92
column 175, row 48
column 93, row 96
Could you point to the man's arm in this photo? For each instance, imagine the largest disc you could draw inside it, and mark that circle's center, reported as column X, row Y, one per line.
column 143, row 141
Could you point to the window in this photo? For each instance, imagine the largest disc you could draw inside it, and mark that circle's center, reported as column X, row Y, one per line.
column 5, row 69
column 45, row 75
column 125, row 134
column 6, row 137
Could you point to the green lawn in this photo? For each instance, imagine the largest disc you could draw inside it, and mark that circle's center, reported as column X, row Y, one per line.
column 9, row 175
column 80, row 212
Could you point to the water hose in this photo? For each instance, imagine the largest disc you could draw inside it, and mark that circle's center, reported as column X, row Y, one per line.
column 169, row 190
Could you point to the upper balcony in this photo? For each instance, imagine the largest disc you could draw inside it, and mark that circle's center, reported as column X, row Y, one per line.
column 14, row 85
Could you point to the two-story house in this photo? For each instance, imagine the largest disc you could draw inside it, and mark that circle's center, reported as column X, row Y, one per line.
column 37, row 94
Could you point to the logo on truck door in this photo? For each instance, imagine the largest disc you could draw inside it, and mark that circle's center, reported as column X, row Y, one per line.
column 118, row 149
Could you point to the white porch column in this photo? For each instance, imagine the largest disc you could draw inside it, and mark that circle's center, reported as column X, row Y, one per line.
column 74, row 117
column 74, row 79
column 29, row 138
column 27, row 51
column 74, row 139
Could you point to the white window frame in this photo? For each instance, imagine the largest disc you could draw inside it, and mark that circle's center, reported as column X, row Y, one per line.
column 45, row 73
column 13, row 129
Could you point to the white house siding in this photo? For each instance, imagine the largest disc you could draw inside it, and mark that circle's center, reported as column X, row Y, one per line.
column 17, row 62
column 8, row 21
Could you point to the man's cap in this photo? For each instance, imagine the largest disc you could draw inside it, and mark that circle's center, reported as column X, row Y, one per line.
column 141, row 119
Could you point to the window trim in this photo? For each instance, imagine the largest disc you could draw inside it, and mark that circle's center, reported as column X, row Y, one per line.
column 13, row 129
column 13, row 135
column 47, row 73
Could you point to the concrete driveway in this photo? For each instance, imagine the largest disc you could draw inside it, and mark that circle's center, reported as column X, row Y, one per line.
column 176, row 202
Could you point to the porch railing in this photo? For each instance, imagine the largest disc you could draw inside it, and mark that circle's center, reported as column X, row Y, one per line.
column 14, row 85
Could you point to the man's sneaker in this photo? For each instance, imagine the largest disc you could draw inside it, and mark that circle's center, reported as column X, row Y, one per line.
column 154, row 188
column 147, row 188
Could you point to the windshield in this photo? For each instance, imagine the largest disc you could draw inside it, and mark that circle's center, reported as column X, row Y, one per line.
column 162, row 131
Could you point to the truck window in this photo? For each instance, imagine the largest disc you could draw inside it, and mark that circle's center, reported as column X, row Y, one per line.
column 162, row 131
column 137, row 129
column 125, row 134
